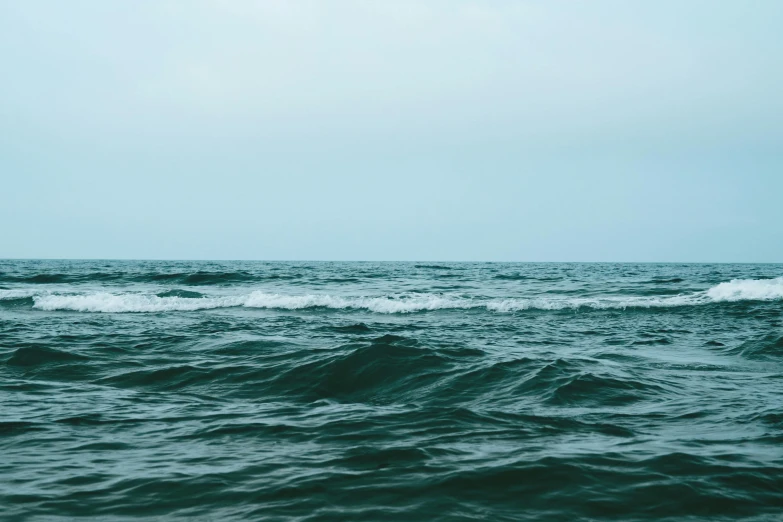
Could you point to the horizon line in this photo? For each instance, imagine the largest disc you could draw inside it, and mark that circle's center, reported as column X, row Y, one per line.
column 227, row 260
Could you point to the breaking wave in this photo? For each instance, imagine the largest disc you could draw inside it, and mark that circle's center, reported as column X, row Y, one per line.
column 748, row 290
column 18, row 293
column 736, row 290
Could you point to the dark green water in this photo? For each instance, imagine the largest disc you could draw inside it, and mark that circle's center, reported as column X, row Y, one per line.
column 390, row 391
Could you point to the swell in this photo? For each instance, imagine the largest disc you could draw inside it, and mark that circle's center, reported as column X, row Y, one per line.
column 198, row 278
column 543, row 488
column 387, row 370
column 768, row 347
column 56, row 278
column 39, row 355
column 433, row 267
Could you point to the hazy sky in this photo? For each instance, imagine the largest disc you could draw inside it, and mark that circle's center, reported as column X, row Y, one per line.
column 538, row 130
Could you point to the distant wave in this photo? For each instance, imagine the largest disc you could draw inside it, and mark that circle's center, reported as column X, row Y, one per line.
column 199, row 278
column 736, row 290
column 57, row 278
column 20, row 293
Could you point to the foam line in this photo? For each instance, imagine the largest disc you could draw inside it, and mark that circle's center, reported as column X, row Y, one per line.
column 736, row 290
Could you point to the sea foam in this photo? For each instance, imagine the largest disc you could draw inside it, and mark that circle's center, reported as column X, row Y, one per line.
column 748, row 290
column 19, row 293
column 115, row 303
column 736, row 290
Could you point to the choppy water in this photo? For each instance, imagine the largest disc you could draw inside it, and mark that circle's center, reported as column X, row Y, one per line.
column 390, row 391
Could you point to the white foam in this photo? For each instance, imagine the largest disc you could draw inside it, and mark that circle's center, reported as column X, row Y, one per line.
column 383, row 305
column 747, row 290
column 115, row 303
column 737, row 290
column 18, row 293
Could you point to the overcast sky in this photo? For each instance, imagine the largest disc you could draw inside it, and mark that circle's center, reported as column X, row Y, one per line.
column 538, row 130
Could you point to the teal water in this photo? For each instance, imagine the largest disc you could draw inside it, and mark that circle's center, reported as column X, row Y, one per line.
column 390, row 391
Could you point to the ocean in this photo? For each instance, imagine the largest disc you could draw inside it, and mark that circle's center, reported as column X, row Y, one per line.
column 390, row 391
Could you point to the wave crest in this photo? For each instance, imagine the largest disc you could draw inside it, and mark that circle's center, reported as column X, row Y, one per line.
column 737, row 290
column 117, row 303
column 748, row 290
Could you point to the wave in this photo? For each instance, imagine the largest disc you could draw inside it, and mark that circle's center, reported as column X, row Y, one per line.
column 117, row 303
column 19, row 293
column 433, row 267
column 769, row 346
column 38, row 355
column 180, row 293
column 748, row 290
column 200, row 278
column 514, row 277
column 665, row 280
column 736, row 290
column 57, row 278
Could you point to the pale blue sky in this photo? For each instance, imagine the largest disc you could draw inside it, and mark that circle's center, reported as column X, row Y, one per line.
column 424, row 130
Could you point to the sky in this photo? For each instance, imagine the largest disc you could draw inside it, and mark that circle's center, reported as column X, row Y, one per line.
column 525, row 130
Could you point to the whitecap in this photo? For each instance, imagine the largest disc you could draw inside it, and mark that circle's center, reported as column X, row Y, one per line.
column 736, row 290
column 747, row 290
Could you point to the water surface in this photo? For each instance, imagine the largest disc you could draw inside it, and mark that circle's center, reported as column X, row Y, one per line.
column 390, row 391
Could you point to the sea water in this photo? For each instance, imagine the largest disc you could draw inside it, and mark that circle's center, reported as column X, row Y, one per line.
column 390, row 391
